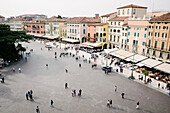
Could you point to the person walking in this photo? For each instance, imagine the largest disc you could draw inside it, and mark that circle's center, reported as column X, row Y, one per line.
column 79, row 94
column 110, row 103
column 46, row 65
column 79, row 65
column 115, row 88
column 159, row 85
column 72, row 92
column 19, row 70
column 31, row 97
column 55, row 53
column 37, row 109
column 13, row 69
column 52, row 104
column 137, row 105
column 27, row 96
column 66, row 86
column 31, row 92
column 66, row 70
column 123, row 94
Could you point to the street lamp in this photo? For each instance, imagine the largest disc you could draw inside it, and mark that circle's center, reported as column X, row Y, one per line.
column 132, row 77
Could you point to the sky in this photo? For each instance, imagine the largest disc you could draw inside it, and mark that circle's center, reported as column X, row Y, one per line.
column 73, row 8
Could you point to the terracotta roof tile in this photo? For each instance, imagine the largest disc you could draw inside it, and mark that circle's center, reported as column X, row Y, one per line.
column 132, row 6
column 107, row 15
column 97, row 24
column 83, row 20
column 19, row 19
column 118, row 18
column 165, row 17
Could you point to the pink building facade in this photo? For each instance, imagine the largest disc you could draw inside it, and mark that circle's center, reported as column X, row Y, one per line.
column 91, row 33
column 35, row 28
column 137, row 34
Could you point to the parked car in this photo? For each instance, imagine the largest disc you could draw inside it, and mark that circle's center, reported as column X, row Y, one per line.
column 107, row 68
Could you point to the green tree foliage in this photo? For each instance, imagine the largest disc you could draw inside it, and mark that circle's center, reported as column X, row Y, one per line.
column 9, row 42
column 59, row 17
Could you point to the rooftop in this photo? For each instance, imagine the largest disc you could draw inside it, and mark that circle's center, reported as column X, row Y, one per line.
column 97, row 24
column 1, row 16
column 132, row 6
column 165, row 17
column 118, row 18
column 83, row 20
column 107, row 15
column 19, row 19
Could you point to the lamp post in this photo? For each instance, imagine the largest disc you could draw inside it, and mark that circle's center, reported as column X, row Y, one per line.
column 132, row 77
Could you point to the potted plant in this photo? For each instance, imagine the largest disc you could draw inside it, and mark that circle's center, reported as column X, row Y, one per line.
column 145, row 72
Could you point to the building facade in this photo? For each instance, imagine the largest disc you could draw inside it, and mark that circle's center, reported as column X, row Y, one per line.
column 158, row 40
column 137, row 34
column 54, row 28
column 77, row 27
column 36, row 28
column 98, row 32
column 105, row 18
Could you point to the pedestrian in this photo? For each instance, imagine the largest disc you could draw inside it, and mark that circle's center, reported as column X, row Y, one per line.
column 31, row 92
column 66, row 85
column 115, row 88
column 37, row 110
column 66, row 70
column 107, row 71
column 137, row 105
column 79, row 65
column 27, row 96
column 55, row 56
column 123, row 94
column 19, row 70
column 72, row 92
column 55, row 53
column 79, row 94
column 110, row 103
column 41, row 48
column 46, row 65
column 159, row 85
column 31, row 97
column 13, row 69
column 52, row 104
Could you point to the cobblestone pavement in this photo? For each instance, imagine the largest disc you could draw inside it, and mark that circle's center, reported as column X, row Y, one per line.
column 49, row 83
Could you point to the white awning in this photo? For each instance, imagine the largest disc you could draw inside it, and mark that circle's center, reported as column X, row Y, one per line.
column 107, row 51
column 163, row 67
column 93, row 44
column 150, row 62
column 122, row 54
column 139, row 64
column 136, row 58
column 70, row 40
column 50, row 37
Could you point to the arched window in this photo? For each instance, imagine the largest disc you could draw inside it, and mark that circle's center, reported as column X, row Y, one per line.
column 128, row 11
column 123, row 12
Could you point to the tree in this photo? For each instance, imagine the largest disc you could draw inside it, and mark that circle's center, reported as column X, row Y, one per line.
column 59, row 17
column 9, row 42
column 145, row 72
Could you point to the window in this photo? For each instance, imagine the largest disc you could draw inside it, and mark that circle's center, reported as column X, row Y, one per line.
column 127, row 40
column 125, row 34
column 110, row 30
column 114, row 30
column 55, row 28
column 115, row 23
column 123, row 12
column 143, row 43
column 118, row 31
column 134, row 11
column 149, row 44
column 104, row 39
column 151, row 27
column 94, row 35
column 146, row 29
column 38, row 31
column 138, row 34
column 128, row 11
column 128, row 33
column 157, row 27
column 162, row 47
column 101, row 29
column 122, row 34
column 100, row 34
column 75, row 31
column 100, row 39
column 154, row 53
column 104, row 29
column 104, row 34
column 155, row 46
column 133, row 42
column 84, row 31
column 55, row 32
column 119, row 23
column 135, row 34
column 83, row 25
column 88, row 34
column 46, row 23
column 114, row 38
column 145, row 35
column 111, row 23
column 164, row 35
column 55, row 24
column 110, row 37
column 160, row 55
column 118, row 39
column 118, row 12
column 156, row 34
column 94, row 30
column 165, row 27
column 89, row 29
column 150, row 33
column 72, row 30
